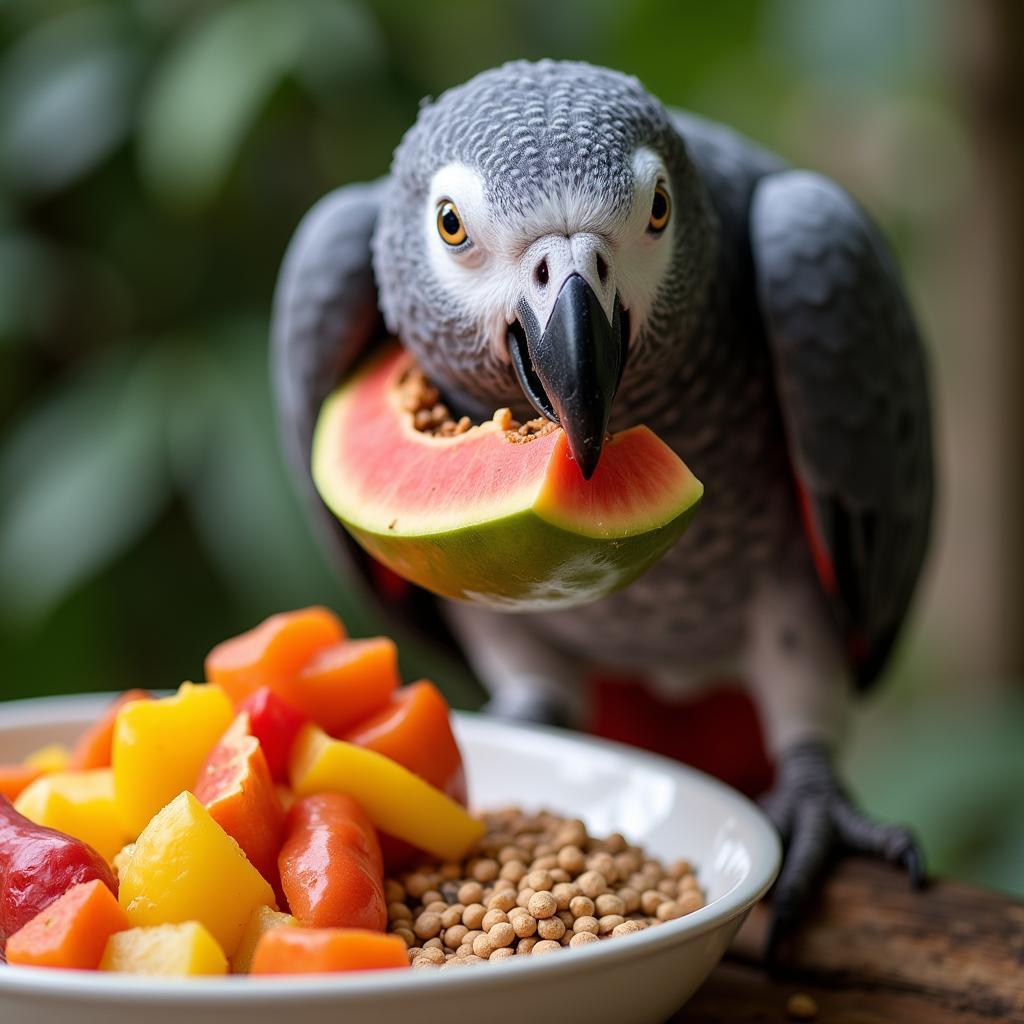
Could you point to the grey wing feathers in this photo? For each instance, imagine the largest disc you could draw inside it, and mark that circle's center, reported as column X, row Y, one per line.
column 325, row 310
column 852, row 385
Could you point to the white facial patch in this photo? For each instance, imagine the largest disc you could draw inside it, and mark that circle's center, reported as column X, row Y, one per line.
column 481, row 278
column 642, row 257
column 488, row 276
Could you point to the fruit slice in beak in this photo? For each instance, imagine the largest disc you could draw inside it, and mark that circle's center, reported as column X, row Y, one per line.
column 571, row 370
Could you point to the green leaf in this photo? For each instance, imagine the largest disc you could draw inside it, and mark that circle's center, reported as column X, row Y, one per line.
column 66, row 93
column 208, row 92
column 81, row 482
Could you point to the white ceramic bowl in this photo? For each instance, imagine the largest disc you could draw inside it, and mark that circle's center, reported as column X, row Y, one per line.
column 672, row 810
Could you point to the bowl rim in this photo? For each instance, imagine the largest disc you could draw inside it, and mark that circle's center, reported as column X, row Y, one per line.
column 95, row 987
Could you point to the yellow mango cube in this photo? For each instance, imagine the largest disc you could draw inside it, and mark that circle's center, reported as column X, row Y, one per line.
column 264, row 919
column 397, row 801
column 81, row 804
column 168, row 949
column 159, row 747
column 185, row 867
column 52, row 758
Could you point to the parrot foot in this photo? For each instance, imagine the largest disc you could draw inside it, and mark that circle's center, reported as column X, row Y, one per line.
column 817, row 822
column 523, row 707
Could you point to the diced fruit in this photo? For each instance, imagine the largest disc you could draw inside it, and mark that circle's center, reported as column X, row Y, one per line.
column 94, row 745
column 275, row 651
column 185, row 867
column 15, row 777
column 396, row 800
column 319, row 950
column 52, row 758
column 235, row 786
column 71, row 932
column 275, row 724
column 37, row 865
column 263, row 920
column 171, row 950
column 81, row 804
column 331, row 868
column 344, row 683
column 159, row 747
column 415, row 730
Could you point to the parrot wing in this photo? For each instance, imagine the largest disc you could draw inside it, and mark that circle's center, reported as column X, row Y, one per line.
column 852, row 385
column 325, row 316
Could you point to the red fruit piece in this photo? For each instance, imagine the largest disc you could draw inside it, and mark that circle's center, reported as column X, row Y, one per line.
column 37, row 865
column 235, row 786
column 332, row 872
column 275, row 724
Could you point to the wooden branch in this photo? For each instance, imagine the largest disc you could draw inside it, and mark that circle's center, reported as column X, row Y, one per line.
column 875, row 951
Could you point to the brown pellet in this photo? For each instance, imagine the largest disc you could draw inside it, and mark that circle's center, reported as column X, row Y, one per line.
column 650, row 900
column 524, row 924
column 582, row 939
column 452, row 915
column 501, row 934
column 604, row 864
column 417, row 884
column 608, row 903
column 482, row 946
column 503, row 899
column 524, row 897
column 550, row 928
column 565, row 893
column 585, row 924
column 435, row 906
column 581, row 906
column 690, row 901
column 630, row 899
column 432, row 955
column 473, row 915
column 592, row 883
column 398, row 912
column 626, row 928
column 526, row 945
column 542, row 905
column 571, row 859
column 485, row 870
column 546, row 946
column 502, row 952
column 394, row 892
column 453, row 936
column 539, row 881
column 514, row 871
column 470, row 892
column 493, row 917
column 434, row 943
column 608, row 922
column 669, row 911
column 406, row 935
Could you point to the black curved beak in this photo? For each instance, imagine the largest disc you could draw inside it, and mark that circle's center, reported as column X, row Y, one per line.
column 570, row 371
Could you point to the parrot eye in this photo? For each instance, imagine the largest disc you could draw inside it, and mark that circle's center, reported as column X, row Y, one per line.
column 661, row 207
column 449, row 223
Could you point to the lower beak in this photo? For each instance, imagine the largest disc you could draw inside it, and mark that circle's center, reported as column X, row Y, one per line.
column 571, row 370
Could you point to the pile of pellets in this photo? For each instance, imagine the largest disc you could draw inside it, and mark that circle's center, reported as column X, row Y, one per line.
column 430, row 415
column 535, row 884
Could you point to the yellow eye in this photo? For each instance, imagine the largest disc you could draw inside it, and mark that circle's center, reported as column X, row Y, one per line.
column 449, row 223
column 661, row 207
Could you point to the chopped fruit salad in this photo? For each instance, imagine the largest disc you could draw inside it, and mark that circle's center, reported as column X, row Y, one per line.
column 299, row 812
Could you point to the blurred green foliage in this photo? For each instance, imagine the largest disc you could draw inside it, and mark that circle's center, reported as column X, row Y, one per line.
column 155, row 156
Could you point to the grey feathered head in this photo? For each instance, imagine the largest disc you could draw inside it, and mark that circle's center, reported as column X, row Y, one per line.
column 543, row 225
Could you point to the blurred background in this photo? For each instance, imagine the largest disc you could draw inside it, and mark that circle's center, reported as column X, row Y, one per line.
column 155, row 157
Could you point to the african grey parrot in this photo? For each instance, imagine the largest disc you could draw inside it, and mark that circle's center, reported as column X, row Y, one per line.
column 551, row 235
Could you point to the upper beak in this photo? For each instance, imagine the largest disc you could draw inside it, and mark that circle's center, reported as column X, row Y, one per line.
column 571, row 369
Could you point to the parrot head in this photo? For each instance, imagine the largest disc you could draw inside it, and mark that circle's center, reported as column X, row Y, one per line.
column 544, row 229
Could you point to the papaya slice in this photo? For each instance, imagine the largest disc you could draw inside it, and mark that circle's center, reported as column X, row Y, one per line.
column 489, row 514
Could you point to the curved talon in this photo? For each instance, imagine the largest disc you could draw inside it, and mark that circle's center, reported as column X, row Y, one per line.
column 817, row 819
